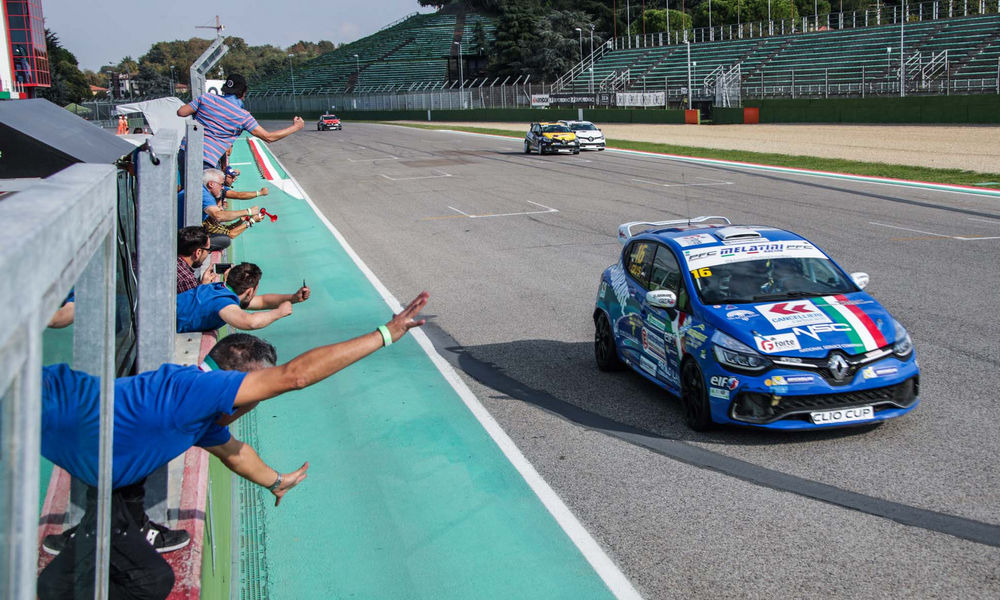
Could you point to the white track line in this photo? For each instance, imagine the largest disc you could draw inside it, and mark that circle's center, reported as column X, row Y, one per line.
column 514, row 214
column 953, row 237
column 605, row 568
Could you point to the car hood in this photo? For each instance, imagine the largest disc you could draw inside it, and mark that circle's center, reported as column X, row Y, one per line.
column 812, row 327
column 567, row 137
column 589, row 135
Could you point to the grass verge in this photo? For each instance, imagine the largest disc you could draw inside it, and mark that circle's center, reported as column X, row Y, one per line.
column 836, row 165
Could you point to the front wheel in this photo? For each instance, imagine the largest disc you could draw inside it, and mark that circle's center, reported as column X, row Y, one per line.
column 577, row 151
column 605, row 351
column 694, row 397
column 527, row 147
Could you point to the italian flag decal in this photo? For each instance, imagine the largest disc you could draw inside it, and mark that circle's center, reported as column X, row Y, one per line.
column 841, row 310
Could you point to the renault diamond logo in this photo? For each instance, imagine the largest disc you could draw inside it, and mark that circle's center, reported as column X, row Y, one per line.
column 838, row 367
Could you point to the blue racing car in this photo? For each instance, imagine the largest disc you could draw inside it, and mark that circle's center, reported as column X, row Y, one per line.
column 751, row 325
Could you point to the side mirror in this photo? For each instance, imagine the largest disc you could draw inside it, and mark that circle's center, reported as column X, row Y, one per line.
column 860, row 279
column 661, row 299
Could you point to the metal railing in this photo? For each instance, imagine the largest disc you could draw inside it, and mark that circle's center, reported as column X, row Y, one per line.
column 41, row 264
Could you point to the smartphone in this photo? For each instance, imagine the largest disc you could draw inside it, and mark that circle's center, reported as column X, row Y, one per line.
column 222, row 267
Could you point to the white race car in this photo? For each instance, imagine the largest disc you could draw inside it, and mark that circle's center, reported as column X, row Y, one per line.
column 589, row 136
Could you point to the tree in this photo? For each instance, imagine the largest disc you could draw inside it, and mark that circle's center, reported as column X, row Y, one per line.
column 68, row 82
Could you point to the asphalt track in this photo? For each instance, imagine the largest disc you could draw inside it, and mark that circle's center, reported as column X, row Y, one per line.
column 511, row 247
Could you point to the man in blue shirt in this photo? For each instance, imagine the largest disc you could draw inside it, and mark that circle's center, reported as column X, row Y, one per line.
column 211, row 306
column 158, row 416
column 212, row 213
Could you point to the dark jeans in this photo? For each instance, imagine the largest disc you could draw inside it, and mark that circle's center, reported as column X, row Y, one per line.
column 218, row 241
column 136, row 570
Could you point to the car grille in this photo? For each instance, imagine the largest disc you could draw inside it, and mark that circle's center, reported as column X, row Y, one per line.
column 821, row 366
column 766, row 408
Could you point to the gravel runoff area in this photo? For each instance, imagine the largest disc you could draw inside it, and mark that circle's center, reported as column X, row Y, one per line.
column 967, row 147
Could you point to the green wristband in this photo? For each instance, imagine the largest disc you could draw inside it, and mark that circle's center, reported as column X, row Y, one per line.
column 386, row 336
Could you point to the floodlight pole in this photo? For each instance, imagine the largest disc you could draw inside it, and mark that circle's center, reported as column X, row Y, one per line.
column 902, row 61
column 591, row 58
column 461, row 75
column 580, row 32
column 690, row 89
column 291, row 73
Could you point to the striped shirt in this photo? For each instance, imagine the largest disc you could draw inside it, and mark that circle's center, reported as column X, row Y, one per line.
column 224, row 119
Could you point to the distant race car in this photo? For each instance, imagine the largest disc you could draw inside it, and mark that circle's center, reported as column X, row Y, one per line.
column 549, row 138
column 753, row 326
column 328, row 122
column 588, row 134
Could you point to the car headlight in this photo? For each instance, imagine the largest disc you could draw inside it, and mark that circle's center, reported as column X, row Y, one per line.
column 904, row 344
column 735, row 354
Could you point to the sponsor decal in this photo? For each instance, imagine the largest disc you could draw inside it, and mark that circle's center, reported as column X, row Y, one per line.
column 653, row 343
column 670, row 374
column 813, row 331
column 718, row 393
column 783, row 315
column 619, row 284
column 656, row 324
column 647, row 365
column 539, row 99
column 720, row 255
column 843, row 415
column 695, row 240
column 730, row 383
column 695, row 338
column 782, row 380
column 604, row 288
column 780, row 342
column 872, row 372
column 742, row 315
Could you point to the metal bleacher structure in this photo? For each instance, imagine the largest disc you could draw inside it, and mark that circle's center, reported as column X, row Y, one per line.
column 942, row 53
column 946, row 46
column 415, row 53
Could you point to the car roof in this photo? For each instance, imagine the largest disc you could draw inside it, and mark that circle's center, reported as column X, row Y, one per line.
column 575, row 122
column 701, row 231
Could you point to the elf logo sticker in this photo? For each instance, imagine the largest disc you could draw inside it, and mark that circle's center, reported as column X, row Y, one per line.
column 781, row 342
column 729, row 383
column 783, row 315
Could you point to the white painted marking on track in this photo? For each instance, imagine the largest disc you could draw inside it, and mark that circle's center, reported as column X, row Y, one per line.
column 953, row 237
column 710, row 182
column 371, row 159
column 991, row 221
column 441, row 174
column 605, row 568
column 548, row 209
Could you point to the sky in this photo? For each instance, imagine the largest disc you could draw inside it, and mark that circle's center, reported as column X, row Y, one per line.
column 102, row 31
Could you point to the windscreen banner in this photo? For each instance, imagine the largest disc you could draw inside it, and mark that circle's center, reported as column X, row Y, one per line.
column 640, row 99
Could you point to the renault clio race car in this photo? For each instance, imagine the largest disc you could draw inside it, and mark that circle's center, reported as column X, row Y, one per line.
column 588, row 134
column 550, row 138
column 753, row 326
column 327, row 122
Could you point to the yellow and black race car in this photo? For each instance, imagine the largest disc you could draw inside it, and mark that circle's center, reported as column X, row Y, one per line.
column 550, row 138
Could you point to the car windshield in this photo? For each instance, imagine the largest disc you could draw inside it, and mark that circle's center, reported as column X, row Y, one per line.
column 555, row 129
column 584, row 126
column 329, row 117
column 770, row 279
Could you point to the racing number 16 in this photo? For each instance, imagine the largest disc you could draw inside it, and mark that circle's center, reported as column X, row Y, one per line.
column 703, row 272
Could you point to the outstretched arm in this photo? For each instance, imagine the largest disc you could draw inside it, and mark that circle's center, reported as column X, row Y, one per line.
column 274, row 136
column 319, row 363
column 248, row 321
column 243, row 460
column 262, row 301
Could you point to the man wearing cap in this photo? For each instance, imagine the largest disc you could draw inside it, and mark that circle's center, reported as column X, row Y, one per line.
column 224, row 119
column 228, row 191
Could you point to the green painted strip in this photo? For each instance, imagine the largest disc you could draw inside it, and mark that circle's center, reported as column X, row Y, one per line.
column 407, row 495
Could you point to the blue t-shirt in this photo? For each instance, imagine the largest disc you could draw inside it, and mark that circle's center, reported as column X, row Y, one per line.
column 158, row 415
column 198, row 308
column 207, row 199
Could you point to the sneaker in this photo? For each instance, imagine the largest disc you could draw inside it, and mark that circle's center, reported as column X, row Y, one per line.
column 54, row 544
column 164, row 539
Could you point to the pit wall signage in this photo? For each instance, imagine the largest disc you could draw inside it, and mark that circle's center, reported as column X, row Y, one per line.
column 540, row 100
column 640, row 99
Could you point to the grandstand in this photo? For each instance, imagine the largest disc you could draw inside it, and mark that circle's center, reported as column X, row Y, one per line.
column 942, row 55
column 416, row 51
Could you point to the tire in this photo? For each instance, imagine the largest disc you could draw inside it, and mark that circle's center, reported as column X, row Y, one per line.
column 605, row 351
column 577, row 151
column 527, row 147
column 694, row 397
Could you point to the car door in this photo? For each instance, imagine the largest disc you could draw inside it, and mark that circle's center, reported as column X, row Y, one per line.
column 630, row 327
column 661, row 333
column 533, row 134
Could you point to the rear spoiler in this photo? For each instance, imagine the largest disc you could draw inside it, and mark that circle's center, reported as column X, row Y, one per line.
column 625, row 229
